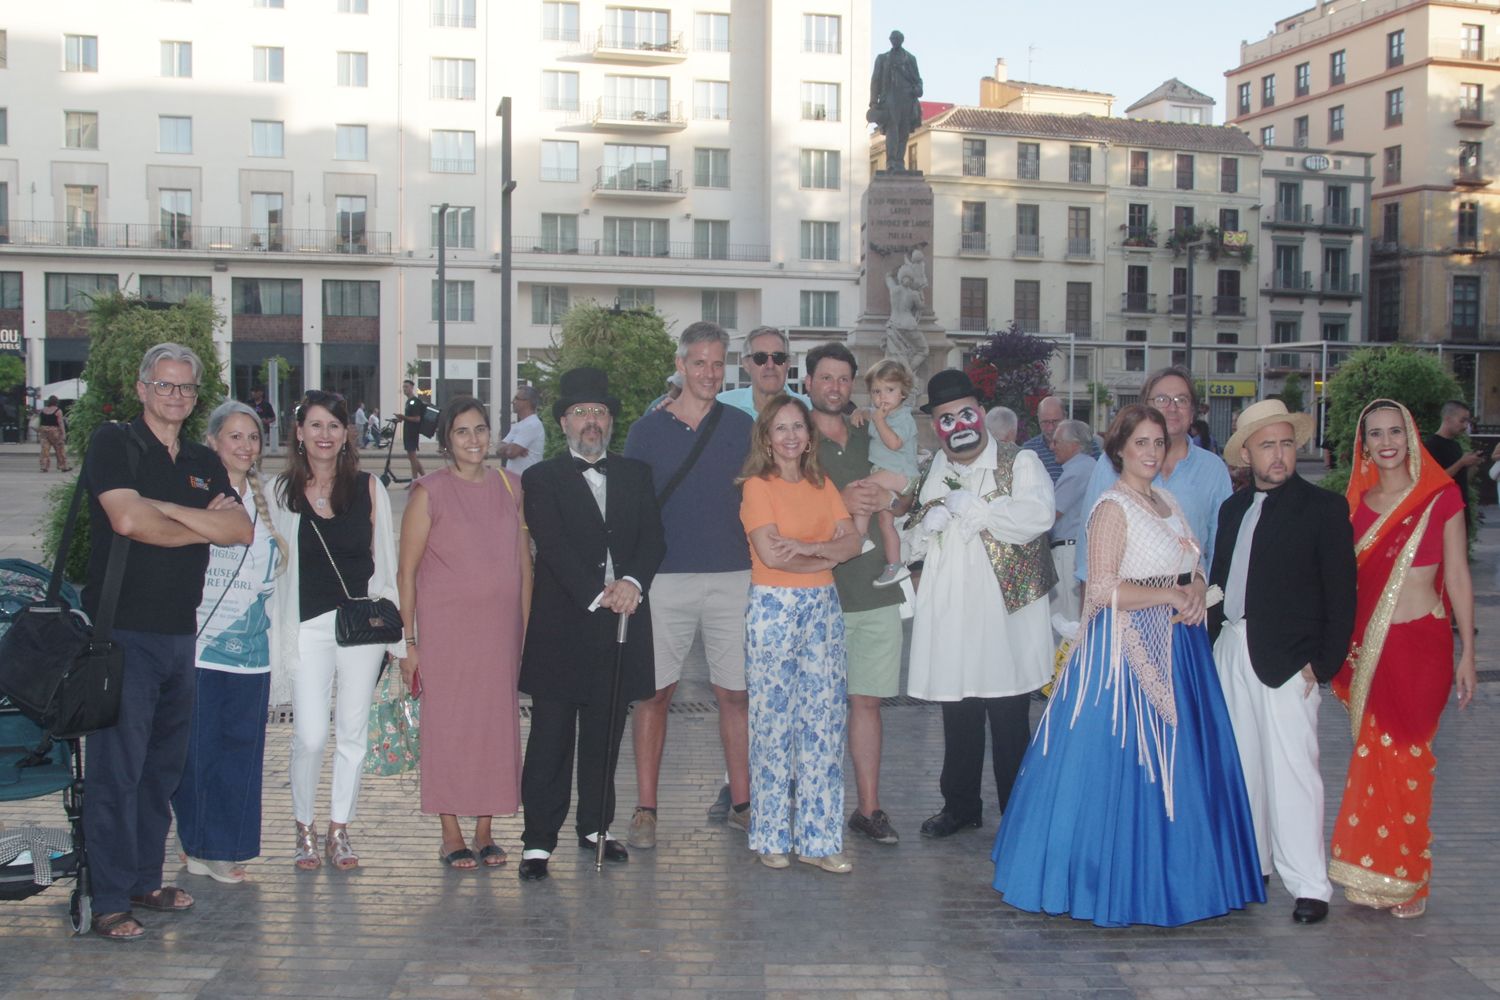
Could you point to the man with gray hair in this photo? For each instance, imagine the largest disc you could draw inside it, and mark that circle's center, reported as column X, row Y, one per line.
column 1002, row 422
column 766, row 359
column 171, row 498
column 523, row 446
column 1070, row 444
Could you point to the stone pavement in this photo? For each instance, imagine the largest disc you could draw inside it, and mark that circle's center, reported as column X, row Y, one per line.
column 698, row 917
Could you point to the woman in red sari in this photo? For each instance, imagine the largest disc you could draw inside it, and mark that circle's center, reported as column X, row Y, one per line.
column 1411, row 548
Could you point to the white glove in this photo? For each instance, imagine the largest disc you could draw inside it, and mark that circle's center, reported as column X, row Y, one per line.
column 936, row 519
column 960, row 502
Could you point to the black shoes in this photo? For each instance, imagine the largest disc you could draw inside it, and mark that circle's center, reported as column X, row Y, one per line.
column 613, row 849
column 1309, row 911
column 945, row 824
column 533, row 869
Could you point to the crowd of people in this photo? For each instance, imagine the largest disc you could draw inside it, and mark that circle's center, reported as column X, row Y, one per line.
column 1175, row 766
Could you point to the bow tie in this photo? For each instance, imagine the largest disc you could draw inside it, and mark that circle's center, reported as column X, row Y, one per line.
column 590, row 466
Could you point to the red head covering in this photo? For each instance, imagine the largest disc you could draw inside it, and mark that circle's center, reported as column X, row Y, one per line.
column 1427, row 478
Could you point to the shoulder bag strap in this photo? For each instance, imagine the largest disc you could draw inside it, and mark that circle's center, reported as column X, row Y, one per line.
column 313, row 524
column 692, row 456
column 60, row 563
column 119, row 548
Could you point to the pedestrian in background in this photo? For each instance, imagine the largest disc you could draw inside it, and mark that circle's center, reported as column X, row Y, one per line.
column 52, row 427
column 1070, row 444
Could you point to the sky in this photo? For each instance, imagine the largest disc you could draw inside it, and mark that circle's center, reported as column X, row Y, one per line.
column 1122, row 48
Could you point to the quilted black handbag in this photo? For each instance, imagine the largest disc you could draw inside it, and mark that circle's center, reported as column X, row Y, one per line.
column 361, row 621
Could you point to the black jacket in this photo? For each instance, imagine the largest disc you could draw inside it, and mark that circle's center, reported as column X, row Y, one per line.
column 570, row 650
column 1299, row 594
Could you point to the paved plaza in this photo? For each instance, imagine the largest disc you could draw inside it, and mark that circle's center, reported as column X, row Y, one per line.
column 698, row 917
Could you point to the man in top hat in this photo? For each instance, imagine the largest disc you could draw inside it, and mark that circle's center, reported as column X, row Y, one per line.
column 598, row 535
column 1285, row 562
column 981, row 642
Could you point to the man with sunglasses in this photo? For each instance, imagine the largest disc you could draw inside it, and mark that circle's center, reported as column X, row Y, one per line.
column 766, row 360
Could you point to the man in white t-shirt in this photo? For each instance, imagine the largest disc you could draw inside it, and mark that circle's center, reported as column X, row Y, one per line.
column 522, row 447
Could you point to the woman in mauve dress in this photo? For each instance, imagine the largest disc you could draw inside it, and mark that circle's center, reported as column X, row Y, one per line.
column 465, row 581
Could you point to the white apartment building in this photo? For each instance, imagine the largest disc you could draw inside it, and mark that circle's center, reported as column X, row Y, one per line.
column 288, row 159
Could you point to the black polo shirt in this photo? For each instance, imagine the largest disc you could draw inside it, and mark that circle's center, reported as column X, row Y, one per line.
column 162, row 586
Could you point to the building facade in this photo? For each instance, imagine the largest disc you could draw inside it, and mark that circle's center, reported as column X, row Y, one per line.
column 290, row 162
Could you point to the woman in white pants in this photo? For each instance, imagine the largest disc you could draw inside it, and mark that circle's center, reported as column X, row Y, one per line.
column 337, row 522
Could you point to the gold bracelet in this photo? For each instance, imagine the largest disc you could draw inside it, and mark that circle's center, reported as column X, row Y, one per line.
column 411, row 642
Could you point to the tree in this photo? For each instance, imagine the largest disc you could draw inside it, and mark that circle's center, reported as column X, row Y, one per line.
column 632, row 345
column 1291, row 393
column 12, row 372
column 121, row 329
column 1010, row 367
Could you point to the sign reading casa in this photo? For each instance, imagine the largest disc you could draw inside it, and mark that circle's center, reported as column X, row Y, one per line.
column 1226, row 388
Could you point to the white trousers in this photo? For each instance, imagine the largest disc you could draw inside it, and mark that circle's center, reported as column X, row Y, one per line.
column 357, row 668
column 1063, row 598
column 1277, row 733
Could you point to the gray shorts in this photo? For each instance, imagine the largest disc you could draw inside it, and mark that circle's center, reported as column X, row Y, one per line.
column 684, row 603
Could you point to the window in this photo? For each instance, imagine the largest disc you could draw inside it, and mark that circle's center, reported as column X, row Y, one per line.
column 559, row 21
column 352, row 298
column 177, row 59
column 1268, row 91
column 1470, row 161
column 1471, row 102
column 820, row 240
column 548, row 303
column 451, row 79
column 1392, row 160
column 711, row 32
column 1225, row 362
column 1229, row 174
column 1080, row 164
column 1078, row 306
column 80, row 53
column 1268, row 135
column 76, row 292
column 1242, row 98
column 1395, row 106
column 971, row 225
column 350, row 142
column 711, row 239
column 559, row 160
column 460, row 226
column 4, row 128
column 637, row 98
column 1395, row 49
column 1227, row 299
column 354, row 69
column 354, row 6
column 634, row 168
column 1028, row 160
column 1471, row 41
column 265, row 218
column 1387, row 308
column 266, row 297
column 1137, row 224
column 1184, row 172
column 1229, row 220
column 819, row 308
column 636, row 28
column 820, row 102
column 175, row 208
column 1135, row 357
column 174, row 288
column 1079, row 242
column 1028, row 305
column 635, row 237
column 1336, row 65
column 720, row 306
column 452, row 152
column 1028, row 230
column 1300, row 132
column 175, row 134
column 711, row 168
column 1390, row 223
column 458, row 301
column 559, row 90
column 267, row 138
column 820, row 33
column 973, row 304
column 269, row 64
column 710, row 100
column 349, row 220
column 559, row 233
column 1140, row 168
column 1466, row 305
column 1182, row 217
column 1287, row 266
column 974, row 154
column 10, row 289
column 452, row 13
column 1336, row 123
column 81, row 129
column 820, row 169
column 1302, row 80
column 635, row 297
column 81, row 214
column 4, row 49
column 1468, row 224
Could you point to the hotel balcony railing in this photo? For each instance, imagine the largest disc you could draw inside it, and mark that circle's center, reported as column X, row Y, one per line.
column 451, row 19
column 1080, row 248
column 634, row 180
column 1138, row 302
column 1179, row 305
column 611, row 39
column 1472, row 175
column 974, row 243
column 1028, row 245
column 1471, row 114
column 1229, row 305
column 649, row 113
column 1290, row 215
column 1341, row 217
column 1454, row 48
column 662, row 249
column 199, row 239
column 1291, row 281
column 444, row 165
column 1341, row 284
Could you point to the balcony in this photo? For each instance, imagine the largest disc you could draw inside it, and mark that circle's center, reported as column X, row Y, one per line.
column 617, row 45
column 1473, row 331
column 448, row 165
column 1290, row 283
column 619, row 114
column 1079, row 248
column 1456, row 49
column 1472, row 116
column 212, row 240
column 1178, row 305
column 638, row 182
column 644, row 248
column 1341, row 217
column 1028, row 245
column 1138, row 302
column 1471, row 176
column 1229, row 305
column 1290, row 216
column 974, row 244
column 1139, row 237
column 1342, row 286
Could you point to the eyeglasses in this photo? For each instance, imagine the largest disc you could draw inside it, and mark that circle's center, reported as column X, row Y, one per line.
column 1167, row 402
column 187, row 390
column 584, row 412
column 761, row 357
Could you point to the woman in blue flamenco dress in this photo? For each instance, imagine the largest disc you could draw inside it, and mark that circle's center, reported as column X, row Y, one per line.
column 1130, row 807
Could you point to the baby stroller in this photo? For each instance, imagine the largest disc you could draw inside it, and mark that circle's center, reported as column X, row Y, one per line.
column 33, row 857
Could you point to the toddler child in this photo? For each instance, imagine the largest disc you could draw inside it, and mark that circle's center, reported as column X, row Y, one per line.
column 893, row 455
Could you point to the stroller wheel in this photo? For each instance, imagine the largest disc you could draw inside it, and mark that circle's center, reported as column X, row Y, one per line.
column 80, row 908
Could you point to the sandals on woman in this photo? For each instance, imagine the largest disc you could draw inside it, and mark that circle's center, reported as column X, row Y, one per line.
column 1409, row 909
column 340, row 852
column 491, row 855
column 453, row 858
column 306, row 857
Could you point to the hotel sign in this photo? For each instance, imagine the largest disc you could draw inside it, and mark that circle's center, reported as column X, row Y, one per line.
column 1316, row 161
column 11, row 342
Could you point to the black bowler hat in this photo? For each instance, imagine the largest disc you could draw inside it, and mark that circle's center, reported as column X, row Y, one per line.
column 946, row 386
column 584, row 385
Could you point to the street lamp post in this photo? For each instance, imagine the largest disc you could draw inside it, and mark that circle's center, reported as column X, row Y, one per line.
column 442, row 301
column 507, row 185
column 1188, row 304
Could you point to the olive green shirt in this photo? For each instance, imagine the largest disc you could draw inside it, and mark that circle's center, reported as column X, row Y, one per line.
column 855, row 579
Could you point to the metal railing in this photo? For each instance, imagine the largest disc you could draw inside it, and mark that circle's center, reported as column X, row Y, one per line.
column 974, row 243
column 619, row 40
column 1229, row 305
column 1291, row 281
column 450, row 92
column 1138, row 302
column 1028, row 245
column 1080, row 248
column 662, row 249
column 444, row 165
column 1472, row 175
column 1341, row 284
column 200, row 239
column 638, row 180
column 451, row 19
column 1343, row 217
column 1178, row 305
column 1454, row 48
column 1471, row 113
column 566, row 174
column 623, row 109
column 1299, row 215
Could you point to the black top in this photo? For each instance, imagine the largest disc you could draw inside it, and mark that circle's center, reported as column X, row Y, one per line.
column 412, row 428
column 162, row 586
column 348, row 536
column 47, row 418
column 1447, row 451
column 265, row 412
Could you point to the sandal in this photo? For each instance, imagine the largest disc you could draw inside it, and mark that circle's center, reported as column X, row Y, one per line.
column 118, row 927
column 452, row 859
column 340, row 852
column 306, row 857
column 493, row 855
column 167, row 899
column 1409, row 909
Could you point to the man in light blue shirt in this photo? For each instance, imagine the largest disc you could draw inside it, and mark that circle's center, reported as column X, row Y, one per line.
column 1196, row 477
column 766, row 360
column 1070, row 443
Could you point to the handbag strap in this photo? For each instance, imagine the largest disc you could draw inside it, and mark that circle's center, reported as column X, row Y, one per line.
column 313, row 524
column 692, row 456
column 119, row 548
column 254, row 517
column 60, row 562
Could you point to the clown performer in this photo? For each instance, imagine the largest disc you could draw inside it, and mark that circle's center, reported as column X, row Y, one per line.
column 981, row 642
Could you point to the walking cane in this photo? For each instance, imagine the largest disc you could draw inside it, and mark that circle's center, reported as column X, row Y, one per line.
column 611, row 747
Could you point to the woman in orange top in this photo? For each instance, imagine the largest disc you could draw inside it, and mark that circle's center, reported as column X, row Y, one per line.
column 1413, row 570
column 794, row 641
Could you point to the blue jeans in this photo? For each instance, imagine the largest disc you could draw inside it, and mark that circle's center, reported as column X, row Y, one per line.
column 218, row 802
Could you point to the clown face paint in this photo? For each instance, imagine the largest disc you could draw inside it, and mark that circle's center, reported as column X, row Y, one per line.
column 960, row 430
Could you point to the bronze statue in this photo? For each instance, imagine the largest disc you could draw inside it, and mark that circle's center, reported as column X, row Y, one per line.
column 895, row 88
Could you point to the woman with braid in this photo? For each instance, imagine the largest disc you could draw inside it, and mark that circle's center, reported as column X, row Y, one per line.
column 218, row 802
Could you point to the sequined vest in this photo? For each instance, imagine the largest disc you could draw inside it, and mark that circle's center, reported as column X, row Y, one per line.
column 1025, row 572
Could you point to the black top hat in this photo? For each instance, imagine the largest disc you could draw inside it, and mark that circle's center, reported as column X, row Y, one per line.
column 584, row 385
column 946, row 386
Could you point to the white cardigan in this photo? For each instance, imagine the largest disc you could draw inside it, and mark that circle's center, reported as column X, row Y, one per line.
column 286, row 610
